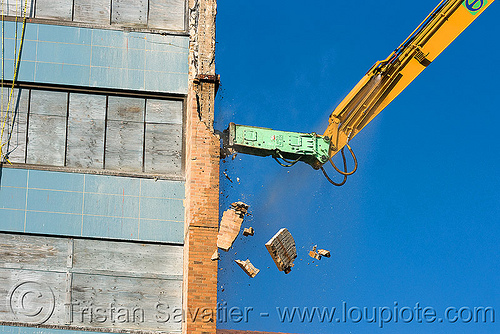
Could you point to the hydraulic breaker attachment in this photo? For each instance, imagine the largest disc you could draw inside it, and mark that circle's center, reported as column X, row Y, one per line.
column 285, row 147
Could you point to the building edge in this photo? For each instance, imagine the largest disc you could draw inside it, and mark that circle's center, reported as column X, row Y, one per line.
column 202, row 174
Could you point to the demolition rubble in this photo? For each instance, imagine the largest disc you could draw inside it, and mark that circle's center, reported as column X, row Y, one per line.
column 230, row 225
column 317, row 254
column 248, row 231
column 281, row 246
column 248, row 267
column 282, row 249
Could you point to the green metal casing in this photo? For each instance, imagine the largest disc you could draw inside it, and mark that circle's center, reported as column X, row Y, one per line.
column 310, row 148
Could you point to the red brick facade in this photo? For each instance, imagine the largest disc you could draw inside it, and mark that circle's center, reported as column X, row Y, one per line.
column 202, row 214
column 202, row 176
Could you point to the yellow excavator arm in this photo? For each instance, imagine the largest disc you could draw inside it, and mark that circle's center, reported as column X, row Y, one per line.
column 380, row 85
column 389, row 77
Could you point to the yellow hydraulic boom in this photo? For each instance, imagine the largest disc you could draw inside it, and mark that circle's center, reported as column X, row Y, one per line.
column 389, row 77
column 380, row 85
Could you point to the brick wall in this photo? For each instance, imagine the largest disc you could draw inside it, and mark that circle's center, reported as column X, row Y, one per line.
column 202, row 175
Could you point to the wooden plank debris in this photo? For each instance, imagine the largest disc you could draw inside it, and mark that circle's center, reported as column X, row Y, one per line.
column 282, row 249
column 248, row 267
column 230, row 225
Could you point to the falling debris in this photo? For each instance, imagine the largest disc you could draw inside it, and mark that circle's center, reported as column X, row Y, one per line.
column 248, row 267
column 319, row 253
column 230, row 225
column 282, row 250
column 314, row 254
column 248, row 231
column 227, row 176
column 324, row 252
column 215, row 256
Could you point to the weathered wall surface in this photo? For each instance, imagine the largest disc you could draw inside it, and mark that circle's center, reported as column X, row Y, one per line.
column 106, row 201
column 78, row 287
column 202, row 170
column 86, row 205
column 151, row 14
column 99, row 58
column 96, row 131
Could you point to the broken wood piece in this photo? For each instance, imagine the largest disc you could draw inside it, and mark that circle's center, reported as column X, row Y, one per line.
column 319, row 253
column 324, row 252
column 227, row 177
column 248, row 267
column 248, row 231
column 314, row 255
column 282, row 249
column 230, row 225
column 240, row 206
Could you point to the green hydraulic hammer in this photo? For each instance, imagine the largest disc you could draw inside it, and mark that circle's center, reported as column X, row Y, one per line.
column 285, row 147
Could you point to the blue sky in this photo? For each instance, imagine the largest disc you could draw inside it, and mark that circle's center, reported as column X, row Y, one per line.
column 418, row 223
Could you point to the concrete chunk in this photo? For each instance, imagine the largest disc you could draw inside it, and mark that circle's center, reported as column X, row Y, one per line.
column 215, row 256
column 248, row 231
column 282, row 249
column 248, row 267
column 230, row 225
